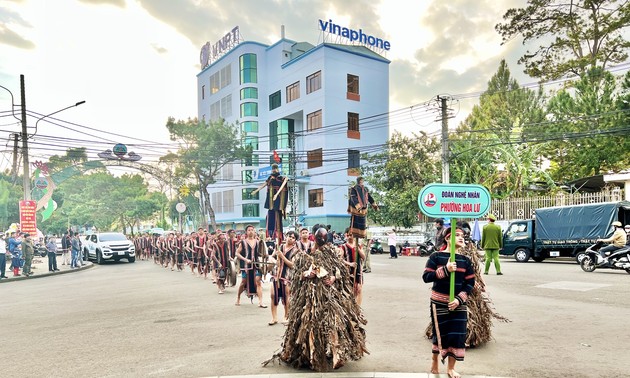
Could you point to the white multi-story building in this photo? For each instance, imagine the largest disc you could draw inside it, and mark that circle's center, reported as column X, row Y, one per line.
column 331, row 100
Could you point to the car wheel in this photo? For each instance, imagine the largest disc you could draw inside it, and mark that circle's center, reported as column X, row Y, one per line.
column 521, row 255
column 579, row 256
column 99, row 257
column 131, row 259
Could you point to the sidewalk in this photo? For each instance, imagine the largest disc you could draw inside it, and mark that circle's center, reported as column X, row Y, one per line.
column 40, row 269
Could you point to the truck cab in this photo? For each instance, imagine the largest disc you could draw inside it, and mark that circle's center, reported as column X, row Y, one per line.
column 518, row 240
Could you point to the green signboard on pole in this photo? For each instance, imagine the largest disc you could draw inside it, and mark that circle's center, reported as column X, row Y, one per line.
column 454, row 201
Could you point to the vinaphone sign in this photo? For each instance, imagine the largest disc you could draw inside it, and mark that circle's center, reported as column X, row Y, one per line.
column 354, row 35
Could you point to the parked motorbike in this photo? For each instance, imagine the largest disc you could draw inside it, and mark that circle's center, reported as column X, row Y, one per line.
column 375, row 247
column 619, row 259
column 40, row 250
column 426, row 248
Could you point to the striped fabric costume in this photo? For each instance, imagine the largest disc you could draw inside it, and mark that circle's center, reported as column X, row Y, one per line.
column 451, row 325
column 277, row 208
column 359, row 200
column 251, row 270
column 351, row 255
column 281, row 279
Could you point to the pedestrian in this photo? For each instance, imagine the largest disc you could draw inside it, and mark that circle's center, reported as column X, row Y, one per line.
column 391, row 241
column 492, row 242
column 14, row 247
column 439, row 238
column 52, row 255
column 367, row 267
column 250, row 252
column 275, row 202
column 449, row 318
column 28, row 250
column 326, row 326
column 3, row 256
column 66, row 244
column 75, row 249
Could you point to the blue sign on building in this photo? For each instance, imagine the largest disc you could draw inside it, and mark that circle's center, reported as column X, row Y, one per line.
column 264, row 172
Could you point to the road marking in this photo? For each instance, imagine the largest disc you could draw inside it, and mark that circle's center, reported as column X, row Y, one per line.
column 165, row 370
column 572, row 285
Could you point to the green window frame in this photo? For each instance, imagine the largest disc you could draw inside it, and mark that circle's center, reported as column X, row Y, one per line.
column 247, row 194
column 249, row 92
column 251, row 210
column 275, row 100
column 249, row 109
column 251, row 141
column 248, row 66
column 249, row 127
column 247, row 176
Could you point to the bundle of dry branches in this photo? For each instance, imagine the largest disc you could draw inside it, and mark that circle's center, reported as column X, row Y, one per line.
column 325, row 326
column 481, row 310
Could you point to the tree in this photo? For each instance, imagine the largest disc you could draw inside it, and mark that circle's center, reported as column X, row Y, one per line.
column 398, row 173
column 204, row 150
column 588, row 127
column 490, row 146
column 575, row 35
column 73, row 156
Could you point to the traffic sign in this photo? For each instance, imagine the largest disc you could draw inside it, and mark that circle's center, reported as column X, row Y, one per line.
column 180, row 207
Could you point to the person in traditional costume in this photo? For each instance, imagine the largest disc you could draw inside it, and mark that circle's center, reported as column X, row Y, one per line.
column 325, row 326
column 359, row 199
column 305, row 244
column 250, row 251
column 449, row 318
column 280, row 281
column 275, row 202
column 481, row 310
column 221, row 260
column 354, row 257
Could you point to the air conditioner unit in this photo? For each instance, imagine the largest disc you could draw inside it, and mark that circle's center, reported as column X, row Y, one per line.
column 304, row 172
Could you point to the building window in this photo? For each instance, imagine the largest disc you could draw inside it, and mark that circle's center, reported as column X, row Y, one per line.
column 215, row 83
column 293, row 91
column 354, row 159
column 250, row 210
column 316, row 198
column 249, row 92
column 249, row 109
column 250, row 161
column 247, row 176
column 274, row 100
column 251, row 141
column 215, row 111
column 280, row 134
column 314, row 158
column 226, row 106
column 314, row 120
column 314, row 82
column 226, row 172
column 203, row 92
column 221, row 79
column 247, row 65
column 228, row 201
column 353, row 88
column 247, row 194
column 249, row 127
column 353, row 122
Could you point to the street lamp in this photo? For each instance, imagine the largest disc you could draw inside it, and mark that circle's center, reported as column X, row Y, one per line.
column 27, row 181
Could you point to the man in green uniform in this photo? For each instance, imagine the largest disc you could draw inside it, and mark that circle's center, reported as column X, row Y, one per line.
column 28, row 250
column 492, row 242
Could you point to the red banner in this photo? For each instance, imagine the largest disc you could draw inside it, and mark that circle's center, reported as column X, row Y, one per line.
column 28, row 219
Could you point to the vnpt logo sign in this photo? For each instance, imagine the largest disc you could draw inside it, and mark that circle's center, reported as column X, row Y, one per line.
column 353, row 35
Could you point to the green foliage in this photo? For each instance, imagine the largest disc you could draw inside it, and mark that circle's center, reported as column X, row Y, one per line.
column 10, row 195
column 489, row 147
column 204, row 150
column 398, row 173
column 589, row 127
column 573, row 36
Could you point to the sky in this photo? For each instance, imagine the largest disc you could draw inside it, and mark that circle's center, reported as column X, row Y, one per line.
column 134, row 62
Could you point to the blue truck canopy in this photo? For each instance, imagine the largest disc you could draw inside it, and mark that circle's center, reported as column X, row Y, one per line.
column 590, row 221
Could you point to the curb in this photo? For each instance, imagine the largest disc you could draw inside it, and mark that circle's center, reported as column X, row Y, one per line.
column 87, row 265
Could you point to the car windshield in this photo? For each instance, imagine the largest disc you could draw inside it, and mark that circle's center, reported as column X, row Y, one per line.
column 113, row 237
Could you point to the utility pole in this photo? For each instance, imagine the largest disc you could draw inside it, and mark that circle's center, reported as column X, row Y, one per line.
column 445, row 157
column 15, row 157
column 293, row 189
column 26, row 180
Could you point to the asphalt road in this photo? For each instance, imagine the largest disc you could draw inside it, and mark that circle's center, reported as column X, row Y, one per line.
column 140, row 320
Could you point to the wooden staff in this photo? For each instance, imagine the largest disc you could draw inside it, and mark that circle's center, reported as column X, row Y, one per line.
column 453, row 247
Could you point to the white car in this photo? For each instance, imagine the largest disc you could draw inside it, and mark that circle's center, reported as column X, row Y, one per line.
column 108, row 246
